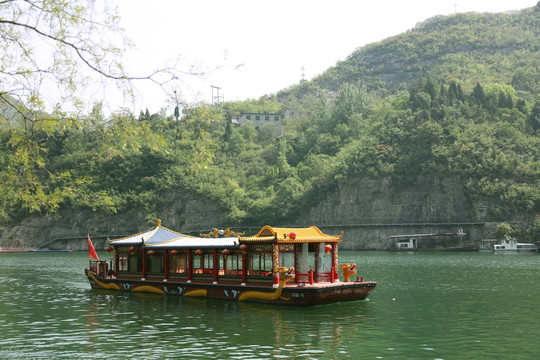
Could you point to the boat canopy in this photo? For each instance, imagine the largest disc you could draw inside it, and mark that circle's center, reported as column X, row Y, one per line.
column 292, row 235
column 196, row 242
column 161, row 237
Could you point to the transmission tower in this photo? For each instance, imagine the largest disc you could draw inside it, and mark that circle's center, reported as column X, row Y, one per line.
column 216, row 99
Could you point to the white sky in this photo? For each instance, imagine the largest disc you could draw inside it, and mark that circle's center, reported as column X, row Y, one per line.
column 259, row 46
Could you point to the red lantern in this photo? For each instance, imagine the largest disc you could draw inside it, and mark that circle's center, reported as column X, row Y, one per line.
column 225, row 252
column 131, row 249
column 292, row 235
column 198, row 252
column 109, row 249
column 244, row 248
column 328, row 248
column 174, row 252
column 151, row 252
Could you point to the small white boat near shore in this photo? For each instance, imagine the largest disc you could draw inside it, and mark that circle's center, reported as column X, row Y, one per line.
column 510, row 244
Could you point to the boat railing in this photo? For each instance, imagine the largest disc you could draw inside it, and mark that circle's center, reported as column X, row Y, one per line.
column 308, row 278
column 100, row 267
column 329, row 276
column 304, row 278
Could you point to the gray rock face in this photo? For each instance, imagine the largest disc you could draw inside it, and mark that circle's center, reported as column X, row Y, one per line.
column 367, row 210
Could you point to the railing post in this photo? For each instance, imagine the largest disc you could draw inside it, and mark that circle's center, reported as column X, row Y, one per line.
column 332, row 274
column 310, row 276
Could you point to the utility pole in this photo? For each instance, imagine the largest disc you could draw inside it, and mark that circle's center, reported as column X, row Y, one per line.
column 303, row 74
column 176, row 109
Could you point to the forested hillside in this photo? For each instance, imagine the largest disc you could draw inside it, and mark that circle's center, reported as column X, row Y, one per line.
column 455, row 96
column 467, row 48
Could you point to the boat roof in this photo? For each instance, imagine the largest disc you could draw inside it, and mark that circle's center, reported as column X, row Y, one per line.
column 161, row 237
column 282, row 235
column 196, row 242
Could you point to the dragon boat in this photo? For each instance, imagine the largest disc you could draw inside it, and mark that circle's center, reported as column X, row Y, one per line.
column 291, row 266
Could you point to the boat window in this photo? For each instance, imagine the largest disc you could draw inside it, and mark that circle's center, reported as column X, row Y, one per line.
column 135, row 261
column 129, row 261
column 233, row 264
column 208, row 261
column 122, row 260
column 177, row 264
column 197, row 264
column 203, row 264
column 260, row 264
column 154, row 262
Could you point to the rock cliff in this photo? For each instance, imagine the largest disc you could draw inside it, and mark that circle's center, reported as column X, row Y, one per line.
column 368, row 210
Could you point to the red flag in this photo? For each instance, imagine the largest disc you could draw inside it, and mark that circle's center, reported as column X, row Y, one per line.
column 91, row 251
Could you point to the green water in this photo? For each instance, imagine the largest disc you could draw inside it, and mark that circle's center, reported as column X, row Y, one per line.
column 426, row 306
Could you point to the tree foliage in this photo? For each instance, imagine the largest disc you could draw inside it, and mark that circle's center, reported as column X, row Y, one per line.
column 482, row 130
column 52, row 52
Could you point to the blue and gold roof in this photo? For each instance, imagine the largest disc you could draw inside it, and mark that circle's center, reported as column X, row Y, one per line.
column 161, row 237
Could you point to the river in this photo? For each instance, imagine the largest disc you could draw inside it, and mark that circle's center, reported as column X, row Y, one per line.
column 426, row 306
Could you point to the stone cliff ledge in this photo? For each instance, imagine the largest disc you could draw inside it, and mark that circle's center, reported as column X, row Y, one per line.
column 367, row 210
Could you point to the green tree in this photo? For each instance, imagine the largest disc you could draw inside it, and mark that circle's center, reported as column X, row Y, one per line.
column 503, row 229
column 478, row 95
column 49, row 49
column 534, row 118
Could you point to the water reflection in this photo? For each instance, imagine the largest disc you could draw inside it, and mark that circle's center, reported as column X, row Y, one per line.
column 426, row 306
column 211, row 327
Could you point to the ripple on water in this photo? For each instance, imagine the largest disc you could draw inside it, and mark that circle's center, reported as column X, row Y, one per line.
column 439, row 312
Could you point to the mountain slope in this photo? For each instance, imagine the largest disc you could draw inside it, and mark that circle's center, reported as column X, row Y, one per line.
column 469, row 48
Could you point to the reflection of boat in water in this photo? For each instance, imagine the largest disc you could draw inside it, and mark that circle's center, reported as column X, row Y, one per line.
column 510, row 244
column 296, row 266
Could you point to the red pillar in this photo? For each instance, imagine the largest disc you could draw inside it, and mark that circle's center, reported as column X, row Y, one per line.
column 215, row 265
column 296, row 261
column 189, row 265
column 244, row 267
column 165, row 265
column 144, row 263
column 116, row 261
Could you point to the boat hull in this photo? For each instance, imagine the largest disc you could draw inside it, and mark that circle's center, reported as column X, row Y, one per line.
column 307, row 295
column 513, row 251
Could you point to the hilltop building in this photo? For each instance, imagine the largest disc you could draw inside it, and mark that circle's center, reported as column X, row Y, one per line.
column 259, row 119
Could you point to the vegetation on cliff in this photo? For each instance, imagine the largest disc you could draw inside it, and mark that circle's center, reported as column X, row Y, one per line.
column 455, row 96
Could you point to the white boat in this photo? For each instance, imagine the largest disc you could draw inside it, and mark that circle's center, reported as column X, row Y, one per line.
column 510, row 244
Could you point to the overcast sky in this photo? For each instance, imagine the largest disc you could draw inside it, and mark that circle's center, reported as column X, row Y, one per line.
column 254, row 47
